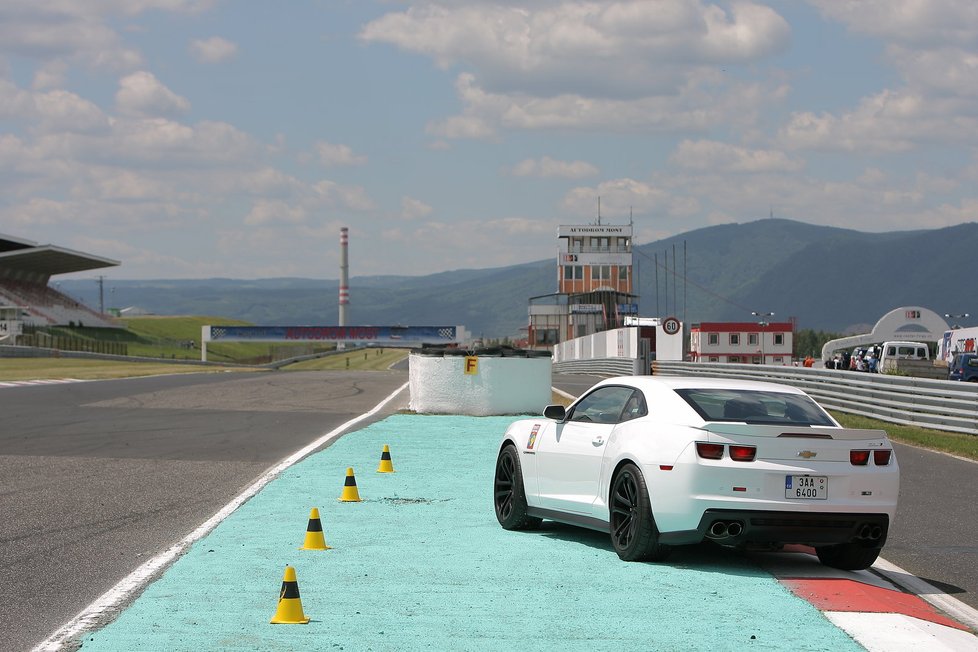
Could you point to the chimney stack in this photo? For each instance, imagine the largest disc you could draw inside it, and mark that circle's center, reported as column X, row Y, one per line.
column 344, row 273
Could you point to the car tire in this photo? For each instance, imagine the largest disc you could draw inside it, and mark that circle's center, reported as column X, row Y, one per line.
column 509, row 497
column 634, row 534
column 847, row 556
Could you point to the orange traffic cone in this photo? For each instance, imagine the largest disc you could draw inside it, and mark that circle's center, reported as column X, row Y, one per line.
column 386, row 466
column 289, row 611
column 350, row 493
column 314, row 533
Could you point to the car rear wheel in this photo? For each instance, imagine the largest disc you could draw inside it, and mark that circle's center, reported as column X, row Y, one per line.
column 509, row 497
column 847, row 556
column 633, row 532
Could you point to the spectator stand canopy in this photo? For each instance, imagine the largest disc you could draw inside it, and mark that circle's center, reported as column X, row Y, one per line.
column 25, row 260
column 25, row 269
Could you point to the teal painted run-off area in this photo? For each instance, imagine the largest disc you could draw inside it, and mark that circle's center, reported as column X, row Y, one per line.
column 422, row 564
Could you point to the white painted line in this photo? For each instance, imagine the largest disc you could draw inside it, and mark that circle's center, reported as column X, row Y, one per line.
column 118, row 594
column 959, row 611
column 563, row 393
column 879, row 632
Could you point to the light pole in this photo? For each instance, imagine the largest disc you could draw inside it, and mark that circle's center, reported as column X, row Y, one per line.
column 762, row 322
column 963, row 315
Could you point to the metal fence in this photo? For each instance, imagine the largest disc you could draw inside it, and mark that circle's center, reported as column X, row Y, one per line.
column 938, row 404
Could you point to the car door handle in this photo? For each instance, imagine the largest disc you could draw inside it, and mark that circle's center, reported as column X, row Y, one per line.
column 598, row 441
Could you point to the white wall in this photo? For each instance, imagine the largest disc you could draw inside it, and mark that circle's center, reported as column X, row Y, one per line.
column 501, row 385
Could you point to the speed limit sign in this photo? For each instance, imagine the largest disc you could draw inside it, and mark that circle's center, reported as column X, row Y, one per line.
column 671, row 325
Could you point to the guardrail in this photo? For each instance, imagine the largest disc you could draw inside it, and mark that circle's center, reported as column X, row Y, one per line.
column 599, row 367
column 938, row 404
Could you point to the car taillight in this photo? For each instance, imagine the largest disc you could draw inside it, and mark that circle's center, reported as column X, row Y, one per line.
column 882, row 457
column 859, row 458
column 709, row 451
column 743, row 453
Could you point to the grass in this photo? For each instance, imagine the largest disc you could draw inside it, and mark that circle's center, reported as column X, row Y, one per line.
column 56, row 368
column 937, row 440
column 168, row 337
column 81, row 369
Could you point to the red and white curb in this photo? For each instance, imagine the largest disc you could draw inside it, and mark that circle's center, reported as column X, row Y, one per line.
column 872, row 607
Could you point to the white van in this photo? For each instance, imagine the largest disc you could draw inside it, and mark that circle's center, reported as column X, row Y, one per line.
column 902, row 351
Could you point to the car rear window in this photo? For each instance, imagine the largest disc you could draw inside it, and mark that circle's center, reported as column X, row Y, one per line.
column 754, row 406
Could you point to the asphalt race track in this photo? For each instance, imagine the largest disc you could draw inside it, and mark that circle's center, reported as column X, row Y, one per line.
column 99, row 476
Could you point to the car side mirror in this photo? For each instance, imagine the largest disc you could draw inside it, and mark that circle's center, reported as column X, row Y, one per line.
column 555, row 412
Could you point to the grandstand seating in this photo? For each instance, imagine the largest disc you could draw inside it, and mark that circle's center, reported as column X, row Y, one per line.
column 46, row 306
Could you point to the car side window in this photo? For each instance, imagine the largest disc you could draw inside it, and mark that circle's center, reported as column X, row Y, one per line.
column 635, row 407
column 603, row 405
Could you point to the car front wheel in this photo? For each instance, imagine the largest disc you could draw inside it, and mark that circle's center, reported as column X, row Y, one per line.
column 509, row 498
column 847, row 556
column 633, row 532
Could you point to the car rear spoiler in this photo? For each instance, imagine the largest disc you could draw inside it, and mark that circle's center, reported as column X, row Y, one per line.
column 789, row 431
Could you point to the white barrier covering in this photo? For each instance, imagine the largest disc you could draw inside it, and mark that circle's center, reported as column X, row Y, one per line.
column 500, row 385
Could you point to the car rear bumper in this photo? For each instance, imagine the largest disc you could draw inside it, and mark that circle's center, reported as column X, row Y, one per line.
column 735, row 527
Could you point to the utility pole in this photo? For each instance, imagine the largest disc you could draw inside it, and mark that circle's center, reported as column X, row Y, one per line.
column 101, row 295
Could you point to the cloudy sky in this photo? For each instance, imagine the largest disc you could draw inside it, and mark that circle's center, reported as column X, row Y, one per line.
column 201, row 138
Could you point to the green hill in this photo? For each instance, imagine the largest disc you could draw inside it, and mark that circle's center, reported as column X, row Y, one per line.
column 825, row 277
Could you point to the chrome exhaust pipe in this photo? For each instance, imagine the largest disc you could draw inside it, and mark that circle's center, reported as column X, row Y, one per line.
column 718, row 529
column 735, row 528
column 865, row 532
column 876, row 533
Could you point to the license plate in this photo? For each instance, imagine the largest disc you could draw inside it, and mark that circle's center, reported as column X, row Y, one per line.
column 806, row 486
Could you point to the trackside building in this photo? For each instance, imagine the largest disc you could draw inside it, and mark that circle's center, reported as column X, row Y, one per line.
column 594, row 285
column 742, row 342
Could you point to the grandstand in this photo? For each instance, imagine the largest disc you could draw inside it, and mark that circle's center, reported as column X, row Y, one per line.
column 25, row 270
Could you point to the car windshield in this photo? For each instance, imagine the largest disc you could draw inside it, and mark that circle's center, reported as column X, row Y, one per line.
column 752, row 406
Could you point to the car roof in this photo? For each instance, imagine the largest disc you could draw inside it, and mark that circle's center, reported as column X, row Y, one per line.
column 661, row 383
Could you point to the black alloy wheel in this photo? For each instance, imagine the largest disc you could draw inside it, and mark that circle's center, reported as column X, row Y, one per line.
column 634, row 534
column 509, row 498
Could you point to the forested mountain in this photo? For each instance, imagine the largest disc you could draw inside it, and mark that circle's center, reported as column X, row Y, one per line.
column 827, row 278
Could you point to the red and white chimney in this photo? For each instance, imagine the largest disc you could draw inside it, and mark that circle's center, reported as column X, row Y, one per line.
column 344, row 273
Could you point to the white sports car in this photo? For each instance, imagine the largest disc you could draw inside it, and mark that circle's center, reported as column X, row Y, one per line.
column 664, row 461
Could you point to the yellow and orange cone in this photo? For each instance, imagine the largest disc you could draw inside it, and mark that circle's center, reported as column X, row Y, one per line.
column 350, row 493
column 386, row 465
column 289, row 611
column 314, row 533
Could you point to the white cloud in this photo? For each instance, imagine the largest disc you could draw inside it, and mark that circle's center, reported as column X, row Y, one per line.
column 926, row 23
column 412, row 209
column 890, row 121
column 622, row 197
column 549, row 168
column 334, row 195
column 142, row 94
column 213, row 50
column 59, row 110
column 270, row 212
column 724, row 157
column 461, row 126
column 337, row 155
column 624, row 48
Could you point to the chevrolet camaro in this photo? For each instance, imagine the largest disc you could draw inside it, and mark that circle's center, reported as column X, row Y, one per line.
column 659, row 462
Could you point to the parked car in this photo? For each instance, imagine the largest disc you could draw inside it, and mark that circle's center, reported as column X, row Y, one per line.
column 664, row 461
column 964, row 367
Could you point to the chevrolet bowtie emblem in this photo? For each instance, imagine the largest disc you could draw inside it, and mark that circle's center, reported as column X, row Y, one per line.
column 807, row 454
